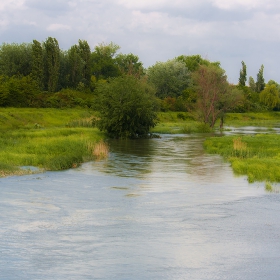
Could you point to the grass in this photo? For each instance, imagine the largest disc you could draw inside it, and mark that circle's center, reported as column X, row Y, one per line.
column 267, row 119
column 257, row 156
column 179, row 123
column 50, row 139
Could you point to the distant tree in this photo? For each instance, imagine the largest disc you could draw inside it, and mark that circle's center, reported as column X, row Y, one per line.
column 129, row 64
column 193, row 62
column 252, row 83
column 127, row 107
column 85, row 55
column 260, row 84
column 270, row 96
column 75, row 64
column 169, row 78
column 52, row 62
column 214, row 97
column 18, row 91
column 15, row 59
column 103, row 61
column 37, row 71
column 243, row 74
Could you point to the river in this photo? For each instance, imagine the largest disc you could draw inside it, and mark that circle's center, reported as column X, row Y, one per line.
column 155, row 209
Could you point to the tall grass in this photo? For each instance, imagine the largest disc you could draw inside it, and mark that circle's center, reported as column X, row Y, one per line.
column 51, row 149
column 50, row 139
column 257, row 156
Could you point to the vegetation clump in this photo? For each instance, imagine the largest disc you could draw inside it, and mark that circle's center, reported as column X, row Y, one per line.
column 257, row 156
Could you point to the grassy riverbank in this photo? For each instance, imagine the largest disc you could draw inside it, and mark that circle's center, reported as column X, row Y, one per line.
column 183, row 122
column 257, row 156
column 56, row 139
column 49, row 139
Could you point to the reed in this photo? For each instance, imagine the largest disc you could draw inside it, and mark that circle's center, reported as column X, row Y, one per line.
column 100, row 150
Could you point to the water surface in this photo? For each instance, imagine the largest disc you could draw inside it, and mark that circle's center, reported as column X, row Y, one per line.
column 155, row 209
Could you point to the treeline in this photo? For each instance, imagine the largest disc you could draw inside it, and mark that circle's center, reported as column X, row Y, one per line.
column 40, row 74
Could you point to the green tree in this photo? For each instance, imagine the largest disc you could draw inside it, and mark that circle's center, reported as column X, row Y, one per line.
column 270, row 96
column 252, row 83
column 15, row 59
column 129, row 64
column 169, row 78
column 193, row 62
column 243, row 74
column 37, row 71
column 104, row 64
column 127, row 107
column 214, row 97
column 52, row 58
column 260, row 84
column 75, row 64
column 85, row 55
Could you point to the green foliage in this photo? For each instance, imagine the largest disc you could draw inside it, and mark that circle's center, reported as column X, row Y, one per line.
column 192, row 62
column 103, row 61
column 18, row 91
column 129, row 64
column 270, row 96
column 127, row 107
column 169, row 78
column 85, row 54
column 214, row 95
column 52, row 62
column 252, row 84
column 243, row 74
column 15, row 59
column 260, row 84
column 37, row 71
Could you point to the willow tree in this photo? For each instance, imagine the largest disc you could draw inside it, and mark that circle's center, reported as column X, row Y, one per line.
column 52, row 62
column 170, row 78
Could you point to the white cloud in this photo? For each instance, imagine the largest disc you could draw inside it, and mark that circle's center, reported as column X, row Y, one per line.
column 156, row 30
column 57, row 26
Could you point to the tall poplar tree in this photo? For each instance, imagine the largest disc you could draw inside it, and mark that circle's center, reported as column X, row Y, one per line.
column 243, row 74
column 260, row 80
column 37, row 71
column 52, row 59
column 85, row 54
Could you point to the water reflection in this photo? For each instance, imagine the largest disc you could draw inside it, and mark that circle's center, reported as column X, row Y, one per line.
column 155, row 209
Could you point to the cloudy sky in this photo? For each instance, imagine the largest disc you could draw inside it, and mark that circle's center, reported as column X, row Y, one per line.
column 228, row 31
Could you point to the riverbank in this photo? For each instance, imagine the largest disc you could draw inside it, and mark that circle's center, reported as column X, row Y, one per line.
column 257, row 156
column 48, row 139
column 57, row 139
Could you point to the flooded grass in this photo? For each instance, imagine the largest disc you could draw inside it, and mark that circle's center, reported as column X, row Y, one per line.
column 257, row 156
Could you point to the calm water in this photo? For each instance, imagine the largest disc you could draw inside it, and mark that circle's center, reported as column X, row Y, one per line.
column 156, row 209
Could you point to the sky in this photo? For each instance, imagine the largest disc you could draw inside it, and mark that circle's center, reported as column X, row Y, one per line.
column 228, row 31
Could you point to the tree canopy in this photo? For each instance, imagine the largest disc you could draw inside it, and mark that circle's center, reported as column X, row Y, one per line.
column 127, row 107
column 169, row 78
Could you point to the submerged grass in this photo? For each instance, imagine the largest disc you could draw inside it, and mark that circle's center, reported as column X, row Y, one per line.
column 257, row 156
